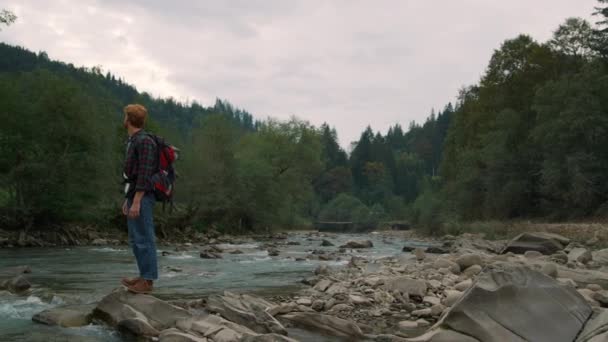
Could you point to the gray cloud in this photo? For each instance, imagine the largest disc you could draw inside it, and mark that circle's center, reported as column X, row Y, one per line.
column 348, row 63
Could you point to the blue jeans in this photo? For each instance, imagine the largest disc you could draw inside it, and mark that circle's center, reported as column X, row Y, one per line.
column 142, row 238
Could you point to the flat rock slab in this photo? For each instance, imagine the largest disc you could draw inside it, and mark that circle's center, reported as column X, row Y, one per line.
column 326, row 324
column 518, row 304
column 247, row 310
column 544, row 243
column 122, row 305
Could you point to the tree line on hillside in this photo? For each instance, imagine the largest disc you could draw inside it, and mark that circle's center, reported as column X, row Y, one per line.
column 527, row 141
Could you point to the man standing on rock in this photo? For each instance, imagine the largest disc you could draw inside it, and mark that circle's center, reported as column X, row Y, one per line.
column 140, row 165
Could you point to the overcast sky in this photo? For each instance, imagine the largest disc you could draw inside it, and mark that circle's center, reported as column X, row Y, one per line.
column 349, row 63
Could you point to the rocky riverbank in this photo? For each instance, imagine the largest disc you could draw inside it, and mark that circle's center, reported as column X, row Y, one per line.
column 537, row 287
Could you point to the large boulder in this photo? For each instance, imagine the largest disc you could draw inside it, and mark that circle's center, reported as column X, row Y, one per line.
column 596, row 329
column 546, row 243
column 143, row 312
column 246, row 310
column 358, row 244
column 326, row 243
column 12, row 279
column 66, row 316
column 16, row 284
column 516, row 303
column 326, row 324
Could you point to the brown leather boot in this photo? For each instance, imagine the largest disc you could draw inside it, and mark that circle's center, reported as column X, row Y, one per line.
column 129, row 281
column 142, row 286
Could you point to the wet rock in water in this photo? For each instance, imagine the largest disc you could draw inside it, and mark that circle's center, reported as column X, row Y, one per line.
column 322, row 270
column 137, row 326
column 544, row 243
column 311, row 281
column 437, row 250
column 549, row 269
column 99, row 242
column 165, row 253
column 122, row 305
column 273, row 252
column 407, row 248
column 214, row 249
column 66, row 316
column 16, row 284
column 293, row 243
column 210, row 255
column 249, row 311
column 326, row 324
column 358, row 244
column 581, row 255
column 15, row 270
column 12, row 279
column 234, row 251
column 493, row 309
column 326, row 243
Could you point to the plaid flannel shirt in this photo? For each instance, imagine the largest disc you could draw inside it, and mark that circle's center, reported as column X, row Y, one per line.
column 140, row 162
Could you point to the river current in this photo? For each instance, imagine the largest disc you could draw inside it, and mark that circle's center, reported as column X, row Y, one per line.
column 83, row 275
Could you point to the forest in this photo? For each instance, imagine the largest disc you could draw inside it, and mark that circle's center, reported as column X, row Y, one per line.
column 528, row 141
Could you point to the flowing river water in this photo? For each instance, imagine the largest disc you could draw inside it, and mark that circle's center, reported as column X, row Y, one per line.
column 83, row 275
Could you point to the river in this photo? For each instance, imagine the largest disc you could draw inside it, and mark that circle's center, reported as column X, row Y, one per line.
column 84, row 275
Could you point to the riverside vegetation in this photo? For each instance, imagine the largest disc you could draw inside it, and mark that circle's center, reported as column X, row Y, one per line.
column 526, row 142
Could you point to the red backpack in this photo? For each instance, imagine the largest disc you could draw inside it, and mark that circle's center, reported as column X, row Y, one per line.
column 163, row 180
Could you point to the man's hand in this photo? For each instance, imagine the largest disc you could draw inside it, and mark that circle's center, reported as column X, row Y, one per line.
column 135, row 206
column 125, row 208
column 134, row 210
